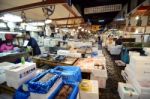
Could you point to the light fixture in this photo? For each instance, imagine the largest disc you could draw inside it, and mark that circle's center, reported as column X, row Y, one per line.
column 86, row 30
column 89, row 31
column 137, row 17
column 73, row 30
column 37, row 23
column 48, row 21
column 11, row 18
column 120, row 19
column 101, row 21
column 79, row 27
column 82, row 29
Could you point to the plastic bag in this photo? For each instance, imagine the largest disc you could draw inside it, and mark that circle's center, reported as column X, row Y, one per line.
column 21, row 94
column 125, row 56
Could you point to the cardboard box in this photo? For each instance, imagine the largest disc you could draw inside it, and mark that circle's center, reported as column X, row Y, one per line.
column 127, row 91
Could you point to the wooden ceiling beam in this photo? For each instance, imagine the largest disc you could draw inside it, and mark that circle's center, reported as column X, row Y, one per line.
column 34, row 5
column 70, row 24
column 68, row 18
column 70, row 9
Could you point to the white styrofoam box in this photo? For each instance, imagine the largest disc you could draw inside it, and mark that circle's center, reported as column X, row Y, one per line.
column 101, row 80
column 63, row 52
column 143, row 87
column 147, row 51
column 147, row 29
column 133, row 53
column 100, row 72
column 92, row 94
column 20, row 74
column 94, row 49
column 144, row 96
column 127, row 91
column 77, row 55
column 53, row 42
column 16, row 83
column 45, row 96
column 136, row 75
column 2, row 77
column 140, row 64
column 4, row 66
column 47, row 42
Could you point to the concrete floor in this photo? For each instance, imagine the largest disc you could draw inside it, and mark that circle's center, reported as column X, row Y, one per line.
column 114, row 76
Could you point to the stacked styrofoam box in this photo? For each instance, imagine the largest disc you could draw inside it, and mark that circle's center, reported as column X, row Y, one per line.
column 45, row 96
column 133, row 53
column 77, row 55
column 4, row 66
column 138, row 74
column 140, row 65
column 47, row 42
column 19, row 75
column 91, row 94
column 63, row 52
column 100, row 74
column 147, row 51
column 127, row 91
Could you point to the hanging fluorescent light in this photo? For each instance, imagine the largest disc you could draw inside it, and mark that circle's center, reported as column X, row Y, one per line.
column 79, row 27
column 48, row 21
column 37, row 23
column 11, row 18
column 89, row 31
column 101, row 21
column 82, row 29
column 120, row 19
column 73, row 30
column 137, row 17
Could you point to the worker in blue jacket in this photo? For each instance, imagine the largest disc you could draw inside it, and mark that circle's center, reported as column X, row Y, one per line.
column 33, row 43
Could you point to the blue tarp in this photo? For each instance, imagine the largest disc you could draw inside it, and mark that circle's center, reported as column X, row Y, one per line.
column 42, row 87
column 69, row 73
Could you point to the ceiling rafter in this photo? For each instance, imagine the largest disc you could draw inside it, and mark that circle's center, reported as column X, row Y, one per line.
column 33, row 5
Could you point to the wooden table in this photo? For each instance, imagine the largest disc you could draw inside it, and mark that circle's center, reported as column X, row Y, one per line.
column 69, row 61
column 87, row 65
column 12, row 57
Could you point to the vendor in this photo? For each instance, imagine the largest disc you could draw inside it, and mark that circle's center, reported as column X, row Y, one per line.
column 7, row 45
column 119, row 41
column 99, row 42
column 33, row 43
